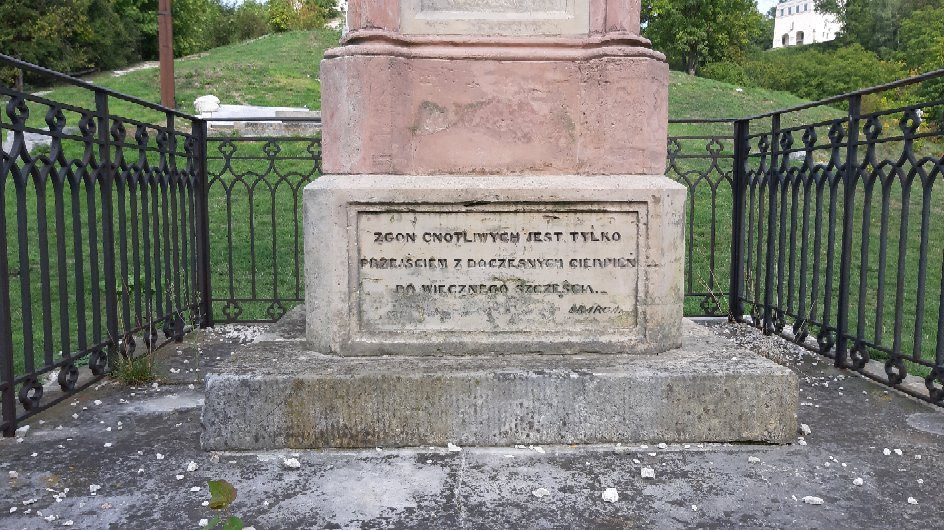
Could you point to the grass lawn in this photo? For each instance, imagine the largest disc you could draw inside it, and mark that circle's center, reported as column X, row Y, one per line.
column 255, row 214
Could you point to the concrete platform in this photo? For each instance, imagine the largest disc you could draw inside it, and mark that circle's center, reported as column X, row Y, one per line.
column 277, row 395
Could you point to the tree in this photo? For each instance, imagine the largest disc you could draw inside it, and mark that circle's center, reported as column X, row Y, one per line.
column 694, row 32
column 875, row 24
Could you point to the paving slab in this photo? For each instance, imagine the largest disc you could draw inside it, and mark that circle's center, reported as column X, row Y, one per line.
column 852, row 421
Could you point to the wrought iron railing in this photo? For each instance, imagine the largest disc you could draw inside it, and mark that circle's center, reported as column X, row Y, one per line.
column 815, row 222
column 255, row 196
column 103, row 238
column 841, row 233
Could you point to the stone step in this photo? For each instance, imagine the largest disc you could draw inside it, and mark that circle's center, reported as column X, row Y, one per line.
column 276, row 395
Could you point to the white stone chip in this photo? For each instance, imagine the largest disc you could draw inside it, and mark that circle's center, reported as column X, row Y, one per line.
column 663, row 445
column 70, row 522
column 22, row 430
column 809, row 499
column 540, row 492
column 12, row 509
column 912, row 500
column 160, row 456
column 805, row 429
column 610, row 495
column 886, row 451
column 108, row 445
column 97, row 402
column 93, row 488
column 898, row 452
column 291, row 463
column 538, row 449
column 203, row 522
column 179, row 477
column 453, row 447
column 648, row 472
column 753, row 459
column 858, row 481
column 14, row 474
column 192, row 466
column 195, row 489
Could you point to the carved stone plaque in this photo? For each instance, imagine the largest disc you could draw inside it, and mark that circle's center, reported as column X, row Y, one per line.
column 495, row 17
column 486, row 269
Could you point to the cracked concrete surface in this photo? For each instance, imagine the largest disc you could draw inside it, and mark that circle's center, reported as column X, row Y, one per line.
column 852, row 422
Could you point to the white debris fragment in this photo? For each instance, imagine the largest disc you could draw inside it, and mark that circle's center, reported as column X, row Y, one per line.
column 610, row 495
column 540, row 492
column 917, row 457
column 49, row 518
column 203, row 523
column 14, row 474
column 753, row 459
column 912, row 500
column 647, row 472
column 192, row 466
column 195, row 489
column 809, row 499
column 108, row 445
column 159, row 456
column 291, row 463
column 27, row 502
column 97, row 402
column 174, row 370
column 858, row 481
column 898, row 452
column 453, row 447
column 663, row 445
column 886, row 451
column 179, row 477
column 21, row 432
column 805, row 429
column 920, row 481
column 207, row 503
column 214, row 459
column 538, row 449
column 694, row 507
column 70, row 522
column 93, row 488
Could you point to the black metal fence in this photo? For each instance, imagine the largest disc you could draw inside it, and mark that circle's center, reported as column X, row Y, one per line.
column 820, row 222
column 103, row 237
column 839, row 234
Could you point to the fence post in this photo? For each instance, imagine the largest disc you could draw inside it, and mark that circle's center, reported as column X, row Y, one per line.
column 849, row 178
column 741, row 150
column 6, row 325
column 201, row 191
column 107, row 180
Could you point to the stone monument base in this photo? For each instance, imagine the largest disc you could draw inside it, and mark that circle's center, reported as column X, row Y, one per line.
column 274, row 395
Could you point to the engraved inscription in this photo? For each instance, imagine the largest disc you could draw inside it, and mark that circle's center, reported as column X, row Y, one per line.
column 495, row 17
column 496, row 6
column 497, row 271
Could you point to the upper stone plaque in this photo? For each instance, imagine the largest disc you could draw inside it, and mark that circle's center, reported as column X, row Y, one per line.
column 495, row 17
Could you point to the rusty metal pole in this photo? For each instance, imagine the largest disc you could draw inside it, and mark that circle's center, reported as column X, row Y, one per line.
column 165, row 37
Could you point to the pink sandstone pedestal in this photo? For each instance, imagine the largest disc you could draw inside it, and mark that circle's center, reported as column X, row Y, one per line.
column 544, row 121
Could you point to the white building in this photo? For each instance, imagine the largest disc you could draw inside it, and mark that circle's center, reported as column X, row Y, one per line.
column 797, row 22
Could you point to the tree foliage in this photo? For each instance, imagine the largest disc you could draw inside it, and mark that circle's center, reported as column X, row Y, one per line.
column 695, row 32
column 82, row 35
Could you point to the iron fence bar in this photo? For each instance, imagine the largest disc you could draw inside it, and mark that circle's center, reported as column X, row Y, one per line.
column 739, row 175
column 773, row 177
column 6, row 324
column 850, row 176
column 202, row 195
column 107, row 179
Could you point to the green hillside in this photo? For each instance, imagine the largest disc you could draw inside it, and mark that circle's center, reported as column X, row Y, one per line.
column 282, row 69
